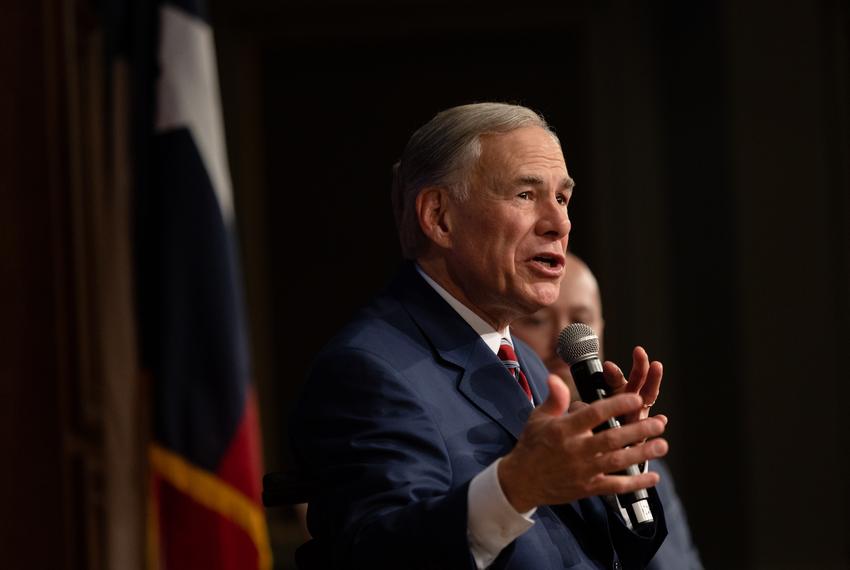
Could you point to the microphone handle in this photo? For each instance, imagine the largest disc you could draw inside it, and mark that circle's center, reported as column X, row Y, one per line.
column 591, row 385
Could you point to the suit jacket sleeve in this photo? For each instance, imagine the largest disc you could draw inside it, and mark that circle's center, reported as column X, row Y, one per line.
column 387, row 498
column 634, row 550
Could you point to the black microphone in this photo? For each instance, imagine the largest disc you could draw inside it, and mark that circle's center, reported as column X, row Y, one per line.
column 578, row 346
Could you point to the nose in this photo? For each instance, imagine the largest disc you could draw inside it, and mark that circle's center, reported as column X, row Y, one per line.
column 554, row 220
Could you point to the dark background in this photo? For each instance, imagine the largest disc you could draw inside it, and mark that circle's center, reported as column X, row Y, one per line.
column 709, row 141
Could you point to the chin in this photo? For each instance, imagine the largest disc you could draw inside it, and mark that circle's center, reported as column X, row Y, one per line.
column 546, row 294
column 531, row 298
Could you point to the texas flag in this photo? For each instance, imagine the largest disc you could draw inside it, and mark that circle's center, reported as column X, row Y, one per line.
column 205, row 458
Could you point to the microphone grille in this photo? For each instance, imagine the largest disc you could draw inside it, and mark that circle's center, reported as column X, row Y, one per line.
column 577, row 342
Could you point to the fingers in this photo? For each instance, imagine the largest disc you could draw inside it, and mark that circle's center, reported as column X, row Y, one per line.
column 617, row 484
column 640, row 369
column 588, row 417
column 615, row 439
column 558, row 400
column 652, row 386
column 616, row 461
column 558, row 458
column 614, row 377
column 644, row 379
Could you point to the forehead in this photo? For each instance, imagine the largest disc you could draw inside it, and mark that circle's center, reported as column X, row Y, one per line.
column 523, row 148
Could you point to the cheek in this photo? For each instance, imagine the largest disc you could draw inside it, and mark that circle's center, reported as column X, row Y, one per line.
column 495, row 242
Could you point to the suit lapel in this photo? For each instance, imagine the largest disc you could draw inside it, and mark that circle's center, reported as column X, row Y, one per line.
column 484, row 380
column 488, row 385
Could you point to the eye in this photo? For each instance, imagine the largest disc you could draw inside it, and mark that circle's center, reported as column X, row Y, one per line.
column 562, row 199
column 524, row 195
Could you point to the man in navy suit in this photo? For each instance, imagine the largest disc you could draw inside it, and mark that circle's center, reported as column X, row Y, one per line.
column 581, row 302
column 432, row 438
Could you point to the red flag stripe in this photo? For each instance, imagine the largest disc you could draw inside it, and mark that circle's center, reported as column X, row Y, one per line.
column 217, row 495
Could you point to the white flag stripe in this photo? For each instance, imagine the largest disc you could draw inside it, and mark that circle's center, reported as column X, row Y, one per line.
column 187, row 95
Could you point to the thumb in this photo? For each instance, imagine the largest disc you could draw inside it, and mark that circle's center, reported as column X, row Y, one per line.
column 559, row 397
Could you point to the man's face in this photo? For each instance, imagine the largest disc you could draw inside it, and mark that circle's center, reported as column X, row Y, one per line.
column 510, row 235
column 578, row 302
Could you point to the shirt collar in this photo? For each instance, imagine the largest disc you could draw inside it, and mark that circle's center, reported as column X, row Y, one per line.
column 491, row 337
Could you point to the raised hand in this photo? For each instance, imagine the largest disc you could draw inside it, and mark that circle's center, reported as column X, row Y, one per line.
column 559, row 459
column 644, row 380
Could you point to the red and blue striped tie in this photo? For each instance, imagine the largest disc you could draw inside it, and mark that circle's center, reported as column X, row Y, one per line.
column 508, row 358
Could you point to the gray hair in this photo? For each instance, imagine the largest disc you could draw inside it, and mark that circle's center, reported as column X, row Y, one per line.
column 443, row 153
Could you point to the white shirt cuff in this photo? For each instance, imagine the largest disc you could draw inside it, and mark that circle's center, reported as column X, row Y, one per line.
column 492, row 523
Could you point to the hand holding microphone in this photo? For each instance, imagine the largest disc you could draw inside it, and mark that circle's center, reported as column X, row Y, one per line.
column 558, row 457
column 578, row 346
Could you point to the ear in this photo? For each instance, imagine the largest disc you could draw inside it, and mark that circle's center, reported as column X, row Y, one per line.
column 432, row 210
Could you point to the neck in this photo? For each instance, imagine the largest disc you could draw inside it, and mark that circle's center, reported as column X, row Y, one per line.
column 437, row 269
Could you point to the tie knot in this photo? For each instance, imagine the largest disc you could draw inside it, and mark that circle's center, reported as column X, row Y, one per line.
column 507, row 354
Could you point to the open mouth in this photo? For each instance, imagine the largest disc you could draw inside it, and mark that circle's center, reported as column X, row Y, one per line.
column 551, row 261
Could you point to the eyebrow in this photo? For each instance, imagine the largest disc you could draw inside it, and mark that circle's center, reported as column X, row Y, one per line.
column 531, row 180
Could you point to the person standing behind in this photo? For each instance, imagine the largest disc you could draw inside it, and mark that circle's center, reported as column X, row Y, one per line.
column 580, row 302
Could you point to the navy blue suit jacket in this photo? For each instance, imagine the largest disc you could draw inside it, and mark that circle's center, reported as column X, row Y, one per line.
column 400, row 411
